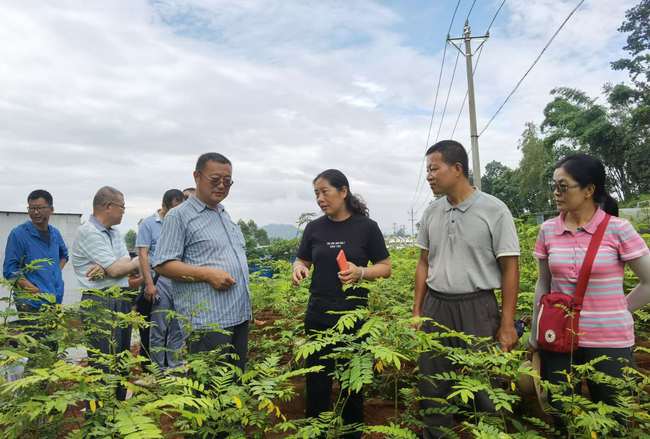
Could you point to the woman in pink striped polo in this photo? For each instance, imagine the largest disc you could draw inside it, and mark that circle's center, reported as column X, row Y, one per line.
column 606, row 324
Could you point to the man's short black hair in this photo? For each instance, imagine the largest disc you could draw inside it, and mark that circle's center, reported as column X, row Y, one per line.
column 211, row 157
column 452, row 152
column 41, row 193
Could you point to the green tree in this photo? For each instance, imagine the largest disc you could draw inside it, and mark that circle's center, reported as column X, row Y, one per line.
column 254, row 237
column 283, row 249
column 637, row 24
column 617, row 131
column 129, row 240
column 501, row 181
column 535, row 171
column 305, row 218
column 574, row 121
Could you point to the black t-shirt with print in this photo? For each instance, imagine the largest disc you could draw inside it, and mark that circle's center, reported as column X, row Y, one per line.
column 360, row 239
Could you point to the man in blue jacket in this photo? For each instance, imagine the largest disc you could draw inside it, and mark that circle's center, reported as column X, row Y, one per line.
column 36, row 239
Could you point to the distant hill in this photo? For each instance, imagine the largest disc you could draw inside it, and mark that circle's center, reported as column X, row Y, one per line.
column 282, row 231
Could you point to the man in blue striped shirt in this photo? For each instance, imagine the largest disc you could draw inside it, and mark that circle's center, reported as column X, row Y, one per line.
column 203, row 251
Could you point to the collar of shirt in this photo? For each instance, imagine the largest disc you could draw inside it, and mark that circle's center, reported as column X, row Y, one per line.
column 200, row 206
column 465, row 204
column 31, row 228
column 590, row 227
column 101, row 227
column 157, row 217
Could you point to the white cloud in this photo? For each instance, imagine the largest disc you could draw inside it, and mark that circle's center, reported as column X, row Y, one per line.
column 129, row 94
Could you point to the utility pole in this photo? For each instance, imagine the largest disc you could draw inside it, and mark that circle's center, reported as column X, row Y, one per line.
column 412, row 219
column 467, row 38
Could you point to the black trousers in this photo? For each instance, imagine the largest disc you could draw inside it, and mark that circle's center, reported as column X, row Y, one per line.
column 143, row 306
column 318, row 385
column 472, row 313
column 233, row 339
column 118, row 341
column 554, row 363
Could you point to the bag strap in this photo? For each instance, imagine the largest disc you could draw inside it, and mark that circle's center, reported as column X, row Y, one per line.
column 587, row 264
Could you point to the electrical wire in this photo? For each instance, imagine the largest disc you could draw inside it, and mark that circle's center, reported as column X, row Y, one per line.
column 514, row 90
column 435, row 103
column 478, row 58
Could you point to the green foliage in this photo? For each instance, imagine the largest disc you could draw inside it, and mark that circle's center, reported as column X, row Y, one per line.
column 129, row 239
column 375, row 351
column 501, row 181
column 282, row 249
column 255, row 238
column 638, row 44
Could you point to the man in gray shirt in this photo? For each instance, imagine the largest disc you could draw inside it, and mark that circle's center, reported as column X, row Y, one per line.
column 203, row 251
column 469, row 248
column 101, row 261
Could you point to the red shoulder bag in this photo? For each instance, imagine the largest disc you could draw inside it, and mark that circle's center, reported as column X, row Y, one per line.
column 559, row 314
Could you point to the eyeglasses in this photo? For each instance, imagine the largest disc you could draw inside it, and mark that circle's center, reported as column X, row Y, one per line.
column 121, row 206
column 561, row 188
column 35, row 209
column 216, row 181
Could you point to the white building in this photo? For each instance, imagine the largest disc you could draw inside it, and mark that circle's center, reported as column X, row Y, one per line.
column 67, row 223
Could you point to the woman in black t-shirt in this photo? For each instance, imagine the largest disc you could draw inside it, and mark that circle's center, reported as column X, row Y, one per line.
column 346, row 226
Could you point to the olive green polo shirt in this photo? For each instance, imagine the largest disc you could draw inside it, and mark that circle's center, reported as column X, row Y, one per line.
column 465, row 241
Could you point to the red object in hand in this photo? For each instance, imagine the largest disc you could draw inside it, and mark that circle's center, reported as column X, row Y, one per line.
column 342, row 260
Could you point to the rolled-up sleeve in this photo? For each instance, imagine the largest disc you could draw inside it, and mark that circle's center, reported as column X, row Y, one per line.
column 171, row 244
column 13, row 255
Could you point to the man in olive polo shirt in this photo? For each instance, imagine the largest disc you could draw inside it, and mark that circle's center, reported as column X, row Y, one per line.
column 469, row 248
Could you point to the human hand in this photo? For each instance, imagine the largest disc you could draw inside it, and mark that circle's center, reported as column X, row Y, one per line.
column 416, row 323
column 300, row 272
column 96, row 272
column 150, row 292
column 351, row 275
column 218, row 279
column 507, row 336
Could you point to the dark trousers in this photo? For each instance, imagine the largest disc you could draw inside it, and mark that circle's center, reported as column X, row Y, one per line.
column 28, row 323
column 165, row 334
column 233, row 340
column 554, row 363
column 118, row 341
column 318, row 386
column 473, row 313
column 26, row 319
column 143, row 307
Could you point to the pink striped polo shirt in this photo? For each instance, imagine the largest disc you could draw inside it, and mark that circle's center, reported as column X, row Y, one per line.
column 604, row 320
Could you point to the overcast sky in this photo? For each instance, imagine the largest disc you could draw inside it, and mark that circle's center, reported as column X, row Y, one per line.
column 129, row 93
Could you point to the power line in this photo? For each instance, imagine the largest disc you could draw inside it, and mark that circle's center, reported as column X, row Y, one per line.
column 444, row 109
column 478, row 58
column 495, row 17
column 531, row 66
column 470, row 10
column 435, row 104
